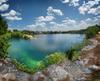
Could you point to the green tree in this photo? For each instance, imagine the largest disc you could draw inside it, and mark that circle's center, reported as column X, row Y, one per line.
column 3, row 39
column 3, row 26
column 92, row 31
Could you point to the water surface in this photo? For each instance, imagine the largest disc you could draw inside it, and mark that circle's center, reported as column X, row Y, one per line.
column 30, row 52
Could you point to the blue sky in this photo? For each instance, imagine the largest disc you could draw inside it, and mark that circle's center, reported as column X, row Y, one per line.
column 55, row 15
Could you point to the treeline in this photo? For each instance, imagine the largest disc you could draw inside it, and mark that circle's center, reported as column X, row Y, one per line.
column 90, row 31
column 53, row 32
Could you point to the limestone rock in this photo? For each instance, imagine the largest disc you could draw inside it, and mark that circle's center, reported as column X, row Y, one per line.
column 8, row 77
column 57, row 73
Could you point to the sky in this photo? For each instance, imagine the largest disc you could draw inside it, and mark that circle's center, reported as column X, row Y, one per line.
column 50, row 15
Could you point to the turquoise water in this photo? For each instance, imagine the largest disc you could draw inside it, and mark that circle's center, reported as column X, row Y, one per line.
column 30, row 52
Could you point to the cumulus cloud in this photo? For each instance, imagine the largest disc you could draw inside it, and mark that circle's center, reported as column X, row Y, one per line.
column 52, row 11
column 4, row 7
column 71, row 2
column 69, row 21
column 94, row 10
column 65, row 25
column 88, row 7
column 3, row 1
column 45, row 19
column 12, row 15
column 38, row 26
column 41, row 23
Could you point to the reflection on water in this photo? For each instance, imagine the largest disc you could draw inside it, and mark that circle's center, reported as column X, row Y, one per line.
column 32, row 51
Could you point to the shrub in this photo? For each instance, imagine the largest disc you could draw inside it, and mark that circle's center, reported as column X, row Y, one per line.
column 92, row 31
column 72, row 54
column 3, row 47
column 16, row 35
column 54, row 58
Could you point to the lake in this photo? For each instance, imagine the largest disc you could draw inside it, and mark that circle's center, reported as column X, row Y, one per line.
column 30, row 52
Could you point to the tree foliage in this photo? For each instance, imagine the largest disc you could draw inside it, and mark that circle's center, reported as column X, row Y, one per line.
column 92, row 31
column 3, row 39
column 3, row 26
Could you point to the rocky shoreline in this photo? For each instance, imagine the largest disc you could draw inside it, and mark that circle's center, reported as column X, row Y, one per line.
column 83, row 69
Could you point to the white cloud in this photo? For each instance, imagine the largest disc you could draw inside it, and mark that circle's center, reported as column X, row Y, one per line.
column 88, row 7
column 65, row 25
column 94, row 10
column 65, row 1
column 69, row 21
column 74, row 3
column 41, row 23
column 52, row 11
column 3, row 1
column 71, row 2
column 12, row 15
column 44, row 19
column 38, row 26
column 4, row 7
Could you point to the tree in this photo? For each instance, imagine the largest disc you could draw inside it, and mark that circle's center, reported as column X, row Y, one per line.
column 3, row 40
column 3, row 26
column 92, row 31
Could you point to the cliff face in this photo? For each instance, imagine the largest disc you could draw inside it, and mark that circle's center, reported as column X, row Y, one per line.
column 91, row 54
column 91, row 59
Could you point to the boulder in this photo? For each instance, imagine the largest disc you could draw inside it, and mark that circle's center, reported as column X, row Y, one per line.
column 57, row 73
column 94, row 67
column 39, row 76
column 9, row 77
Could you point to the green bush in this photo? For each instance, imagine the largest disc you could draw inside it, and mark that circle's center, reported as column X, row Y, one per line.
column 16, row 35
column 54, row 58
column 41, row 65
column 3, row 48
column 92, row 31
column 72, row 54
